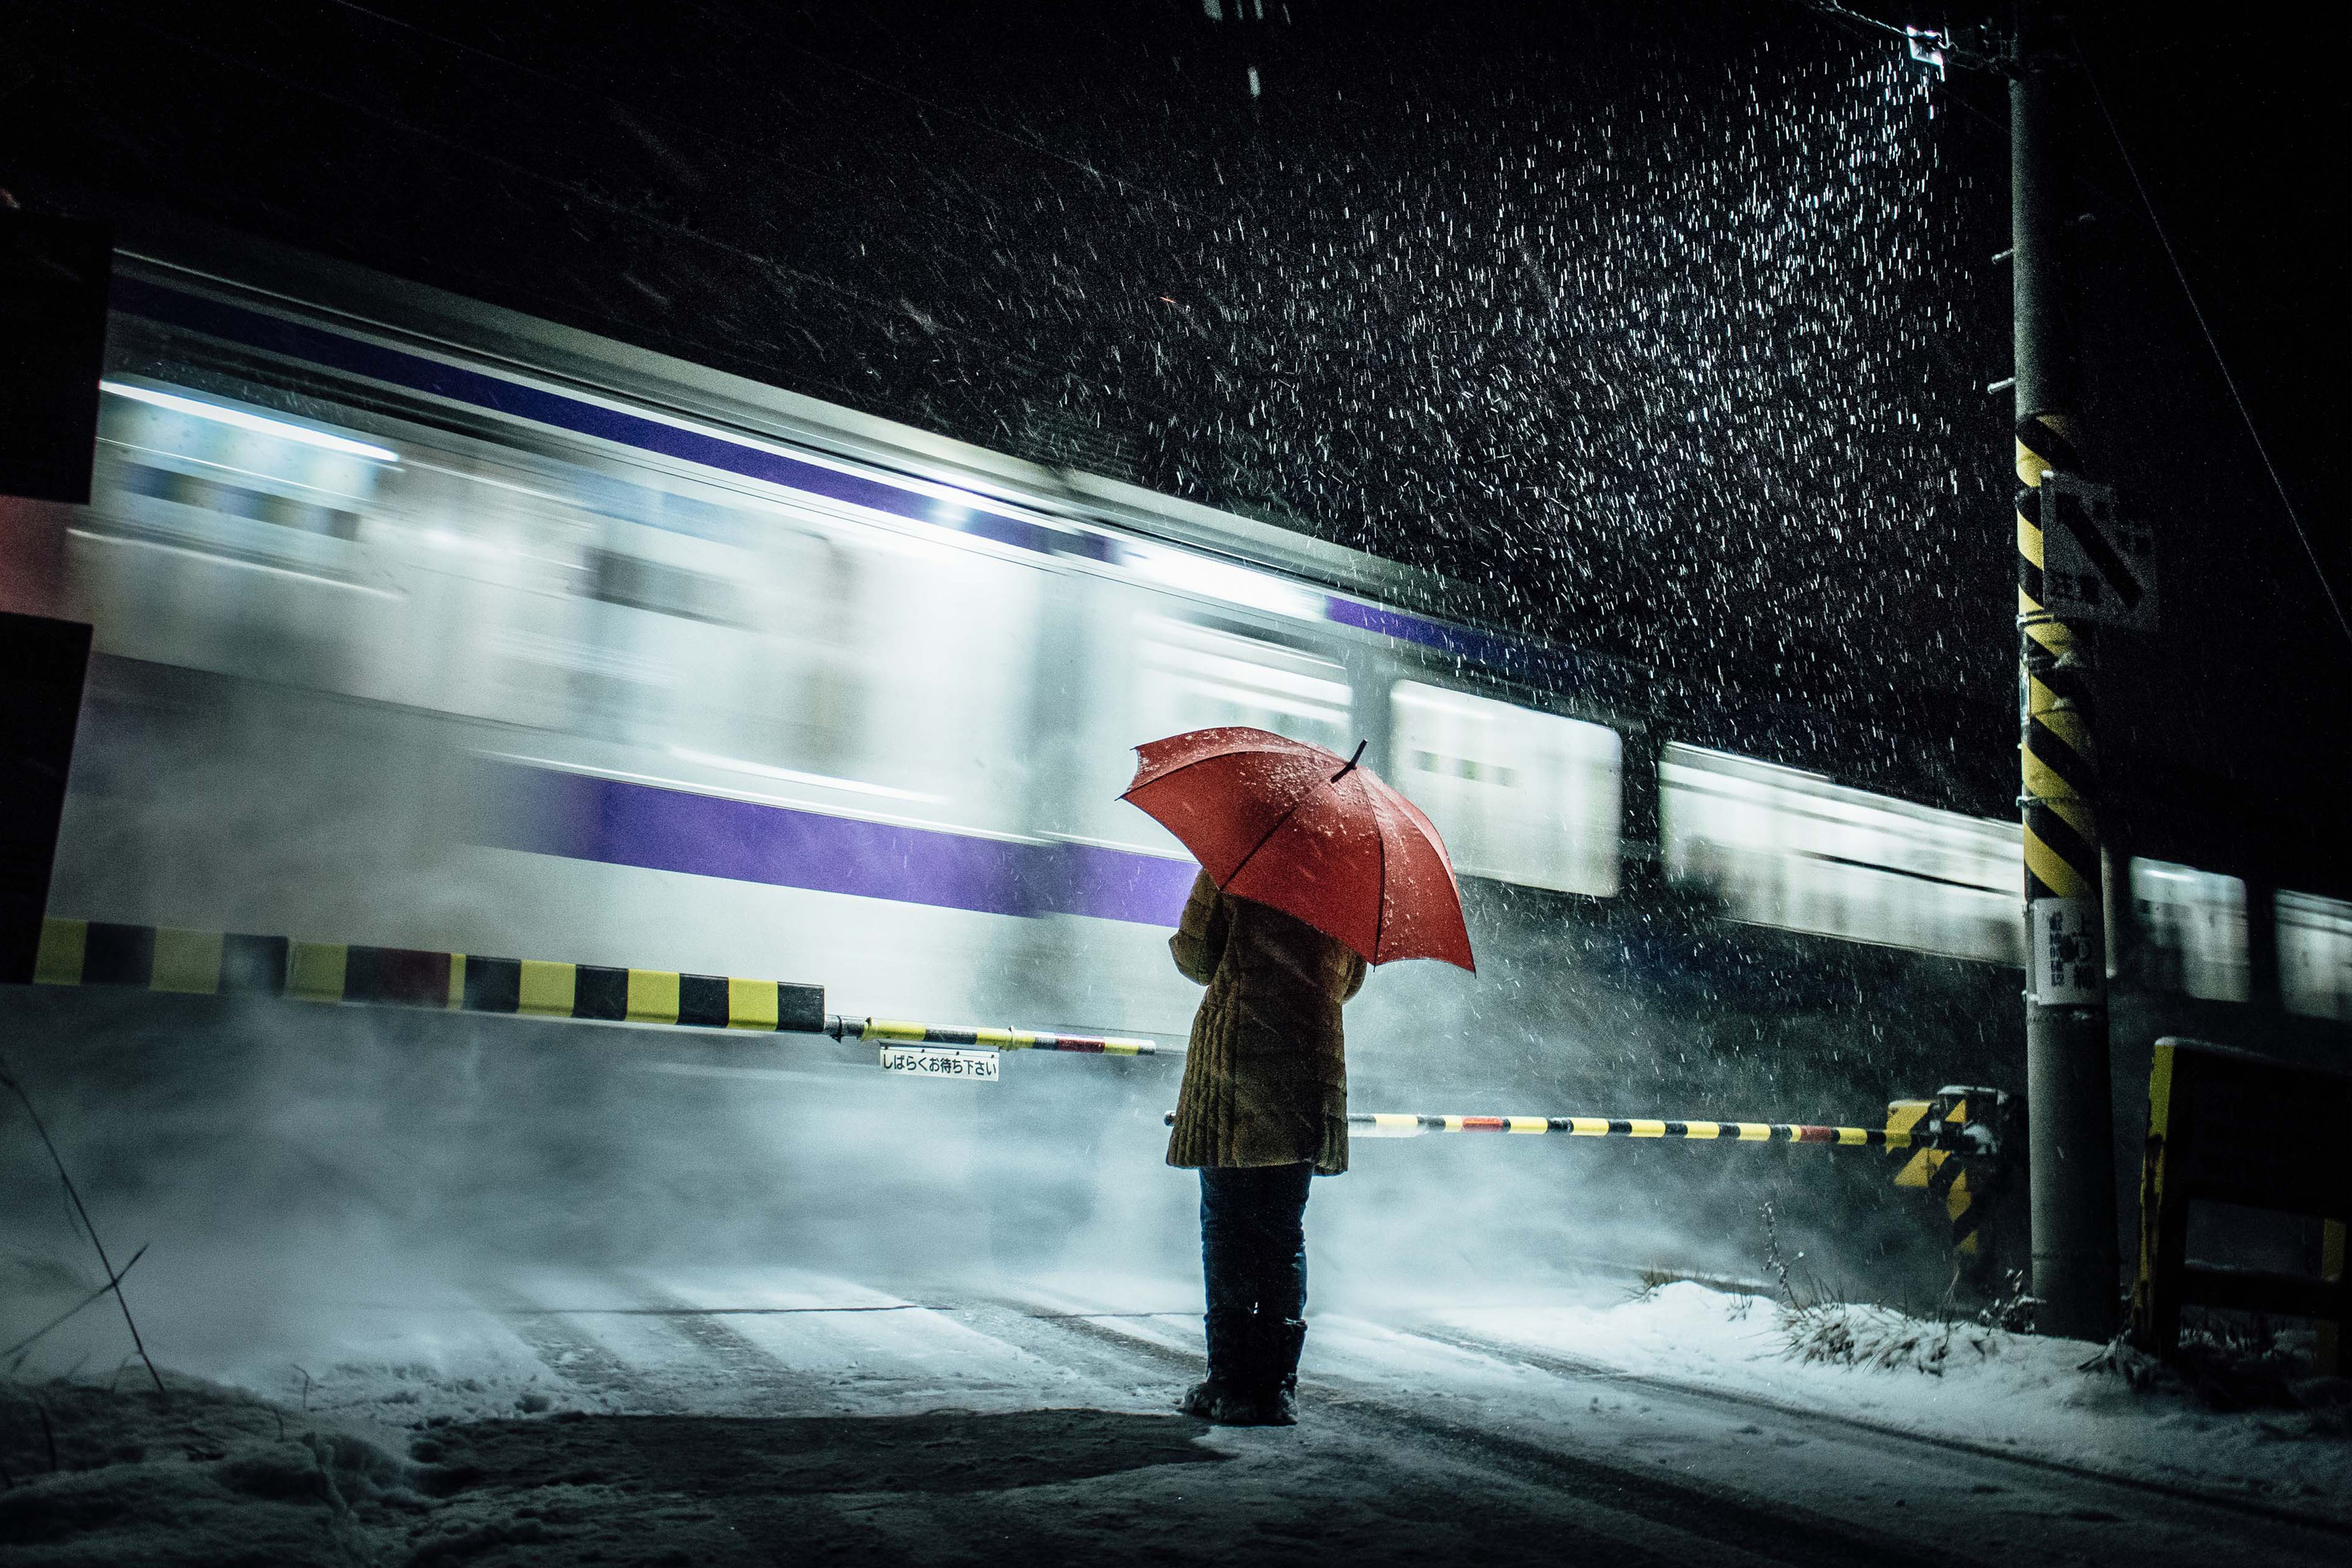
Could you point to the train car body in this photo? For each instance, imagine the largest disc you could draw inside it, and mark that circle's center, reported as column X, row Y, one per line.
column 423, row 625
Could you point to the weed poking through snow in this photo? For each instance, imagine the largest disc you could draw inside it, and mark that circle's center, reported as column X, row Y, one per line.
column 1847, row 1333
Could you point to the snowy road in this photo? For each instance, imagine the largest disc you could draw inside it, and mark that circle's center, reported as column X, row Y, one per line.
column 765, row 1415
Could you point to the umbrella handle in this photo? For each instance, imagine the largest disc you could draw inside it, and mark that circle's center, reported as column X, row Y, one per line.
column 1350, row 768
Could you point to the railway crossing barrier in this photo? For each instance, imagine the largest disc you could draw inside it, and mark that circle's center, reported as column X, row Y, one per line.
column 1951, row 1137
column 1956, row 1138
column 2217, row 1132
column 208, row 962
column 894, row 1031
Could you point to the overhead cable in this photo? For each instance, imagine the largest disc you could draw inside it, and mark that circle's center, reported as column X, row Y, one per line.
column 1846, row 13
column 2212, row 344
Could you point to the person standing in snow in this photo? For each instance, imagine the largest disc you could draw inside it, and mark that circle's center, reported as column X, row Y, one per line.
column 1263, row 1110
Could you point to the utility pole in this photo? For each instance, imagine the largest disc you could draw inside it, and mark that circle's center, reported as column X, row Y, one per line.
column 2071, row 1133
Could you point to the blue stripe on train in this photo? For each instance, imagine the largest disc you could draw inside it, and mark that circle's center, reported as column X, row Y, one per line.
column 553, row 408
column 618, row 823
column 1536, row 665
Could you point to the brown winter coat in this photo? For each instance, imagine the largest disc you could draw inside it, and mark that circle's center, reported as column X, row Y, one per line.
column 1266, row 1077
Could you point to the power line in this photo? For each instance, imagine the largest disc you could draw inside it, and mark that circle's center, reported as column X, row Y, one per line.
column 1847, row 13
column 1123, row 186
column 977, row 122
column 946, row 208
column 568, row 85
column 2212, row 344
column 878, row 309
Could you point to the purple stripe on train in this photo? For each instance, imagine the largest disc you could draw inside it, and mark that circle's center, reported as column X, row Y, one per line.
column 1118, row 885
column 618, row 823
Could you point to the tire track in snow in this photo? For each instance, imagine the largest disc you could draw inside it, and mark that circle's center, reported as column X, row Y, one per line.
column 573, row 1356
column 1657, row 1509
column 737, row 1355
column 682, row 1356
column 1562, row 1365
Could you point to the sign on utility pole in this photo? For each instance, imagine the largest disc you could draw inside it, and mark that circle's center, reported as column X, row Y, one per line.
column 2096, row 565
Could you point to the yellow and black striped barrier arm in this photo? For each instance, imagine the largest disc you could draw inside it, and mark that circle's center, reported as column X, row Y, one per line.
column 206, row 962
column 897, row 1032
column 1384, row 1124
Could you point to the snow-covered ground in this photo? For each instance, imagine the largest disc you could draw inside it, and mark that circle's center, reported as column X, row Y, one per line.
column 2016, row 1392
column 548, row 1414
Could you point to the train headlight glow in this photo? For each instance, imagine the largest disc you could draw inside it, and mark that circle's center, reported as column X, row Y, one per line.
column 243, row 419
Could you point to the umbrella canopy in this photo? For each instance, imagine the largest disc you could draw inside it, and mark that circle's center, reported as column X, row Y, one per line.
column 1290, row 825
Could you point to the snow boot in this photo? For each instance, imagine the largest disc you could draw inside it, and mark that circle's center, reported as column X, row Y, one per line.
column 1231, row 1336
column 1264, row 1391
column 1280, row 1341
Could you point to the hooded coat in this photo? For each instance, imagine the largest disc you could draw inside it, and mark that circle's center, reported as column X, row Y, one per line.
column 1265, row 1076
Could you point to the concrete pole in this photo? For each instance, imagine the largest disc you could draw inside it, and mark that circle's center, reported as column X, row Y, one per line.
column 2071, row 1138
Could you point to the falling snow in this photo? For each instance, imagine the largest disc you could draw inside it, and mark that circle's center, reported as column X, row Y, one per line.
column 1668, row 341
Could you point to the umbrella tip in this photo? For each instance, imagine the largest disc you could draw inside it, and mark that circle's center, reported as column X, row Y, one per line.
column 1351, row 767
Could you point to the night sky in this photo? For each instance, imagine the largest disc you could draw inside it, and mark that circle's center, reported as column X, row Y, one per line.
column 1662, row 328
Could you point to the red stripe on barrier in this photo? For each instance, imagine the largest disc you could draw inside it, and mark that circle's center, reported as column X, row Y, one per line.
column 1816, row 1135
column 1484, row 1124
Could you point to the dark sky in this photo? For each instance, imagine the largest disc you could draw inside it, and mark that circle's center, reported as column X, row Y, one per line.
column 2238, row 133
column 1663, row 326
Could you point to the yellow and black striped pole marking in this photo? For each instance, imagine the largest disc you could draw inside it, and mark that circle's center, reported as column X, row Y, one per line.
column 1385, row 1124
column 203, row 963
column 894, row 1031
column 2059, row 750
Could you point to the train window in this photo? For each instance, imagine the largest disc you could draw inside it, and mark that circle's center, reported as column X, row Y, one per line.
column 2314, row 950
column 1783, row 847
column 304, row 515
column 238, row 445
column 2192, row 927
column 1159, row 675
column 1192, row 676
column 641, row 584
column 230, row 483
column 1519, row 796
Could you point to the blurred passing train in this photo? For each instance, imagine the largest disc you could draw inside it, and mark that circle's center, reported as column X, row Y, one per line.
column 423, row 624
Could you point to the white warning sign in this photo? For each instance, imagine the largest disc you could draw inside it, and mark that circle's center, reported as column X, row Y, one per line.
column 932, row 1062
column 2068, row 967
column 2097, row 564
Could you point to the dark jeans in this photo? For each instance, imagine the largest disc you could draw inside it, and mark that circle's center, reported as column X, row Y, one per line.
column 1254, row 1238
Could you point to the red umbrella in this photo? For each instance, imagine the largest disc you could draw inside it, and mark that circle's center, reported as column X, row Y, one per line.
column 1290, row 825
